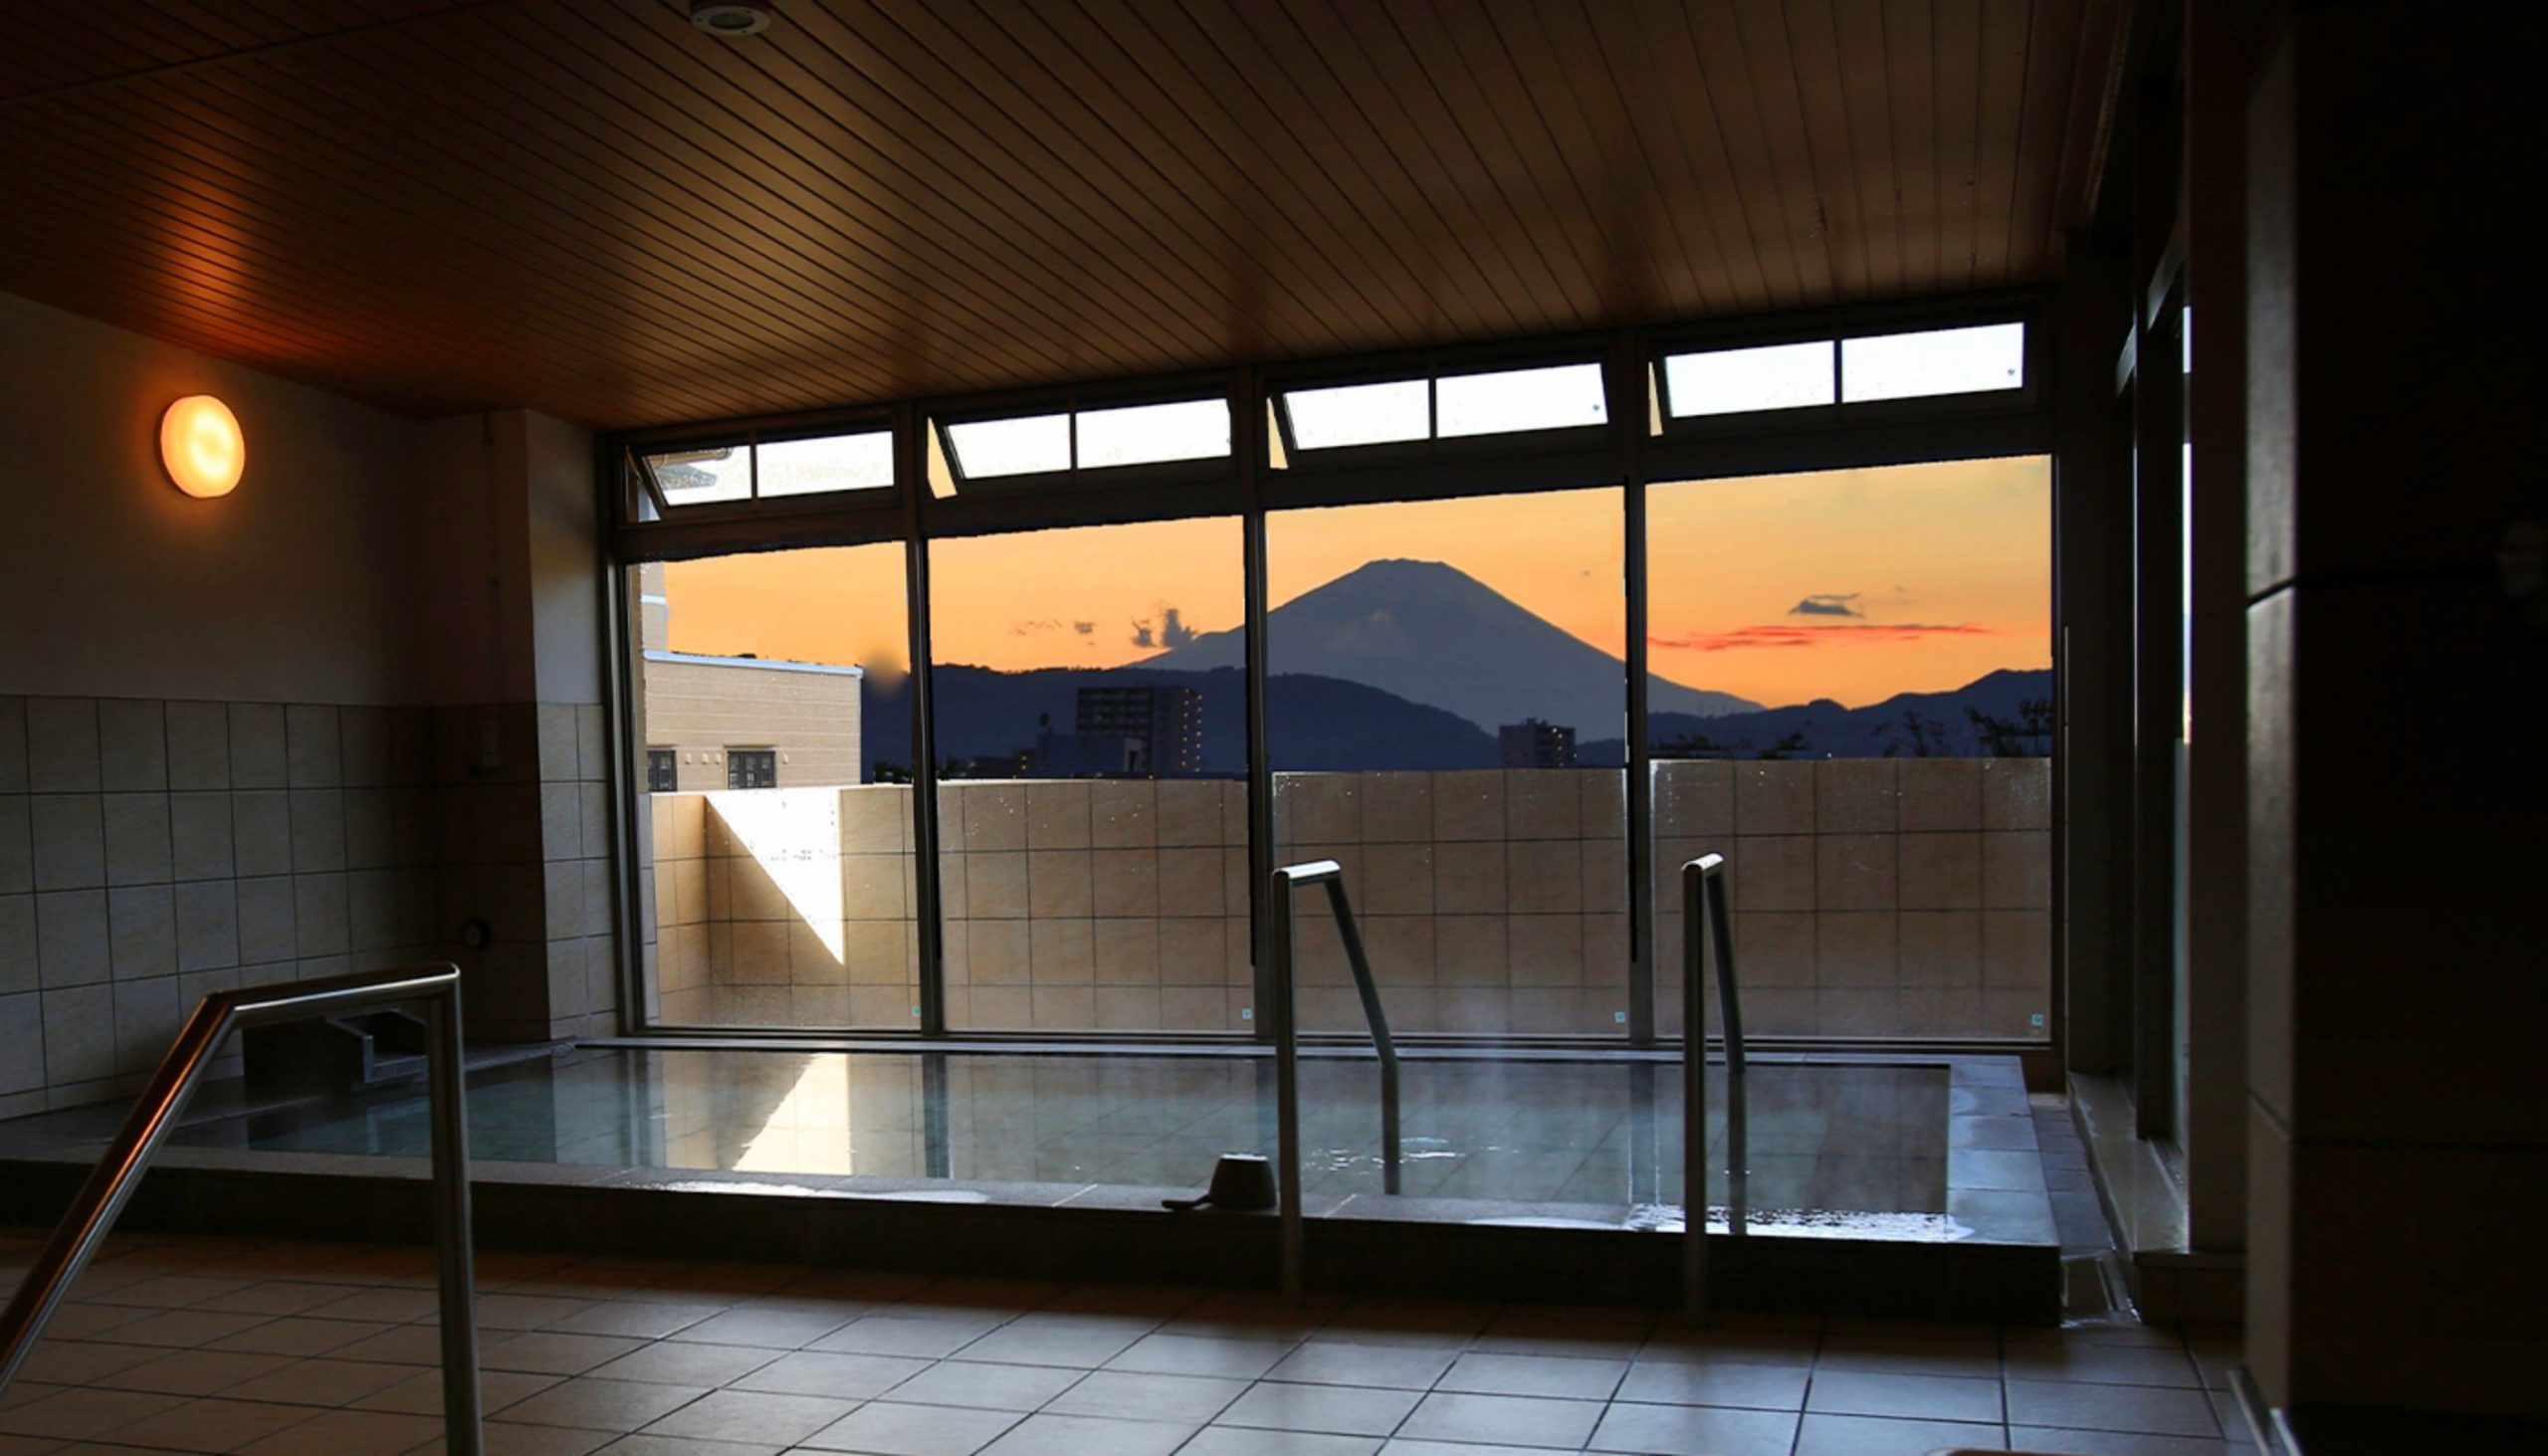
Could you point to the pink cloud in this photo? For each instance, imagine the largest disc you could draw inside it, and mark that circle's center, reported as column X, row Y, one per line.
column 1825, row 635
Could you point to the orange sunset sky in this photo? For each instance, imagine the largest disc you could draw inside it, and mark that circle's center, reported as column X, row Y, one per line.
column 1851, row 584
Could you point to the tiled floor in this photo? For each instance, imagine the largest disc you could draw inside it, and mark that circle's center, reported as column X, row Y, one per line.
column 204, row 1346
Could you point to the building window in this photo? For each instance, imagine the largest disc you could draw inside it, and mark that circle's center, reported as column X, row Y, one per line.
column 1534, row 743
column 663, row 773
column 751, row 769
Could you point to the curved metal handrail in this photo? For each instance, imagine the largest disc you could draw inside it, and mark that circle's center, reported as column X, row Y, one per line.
column 1287, row 1049
column 1704, row 907
column 92, row 1213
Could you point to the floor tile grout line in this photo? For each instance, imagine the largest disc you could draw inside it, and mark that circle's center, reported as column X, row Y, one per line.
column 1480, row 1323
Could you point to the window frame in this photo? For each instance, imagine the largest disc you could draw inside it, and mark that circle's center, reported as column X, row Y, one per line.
column 1432, row 366
column 940, row 418
column 757, row 758
column 640, row 503
column 1638, row 446
column 1905, row 419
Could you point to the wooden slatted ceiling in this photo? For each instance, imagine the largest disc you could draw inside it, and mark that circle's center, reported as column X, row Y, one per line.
column 592, row 208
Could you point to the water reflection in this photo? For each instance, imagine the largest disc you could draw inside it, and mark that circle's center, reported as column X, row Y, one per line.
column 1831, row 1147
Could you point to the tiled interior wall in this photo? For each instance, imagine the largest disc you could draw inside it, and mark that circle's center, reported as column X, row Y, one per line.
column 524, row 844
column 152, row 851
column 1874, row 897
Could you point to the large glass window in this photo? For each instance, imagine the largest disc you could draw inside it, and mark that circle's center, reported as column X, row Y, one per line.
column 1849, row 695
column 777, row 840
column 1883, row 794
column 1446, row 716
column 1090, row 698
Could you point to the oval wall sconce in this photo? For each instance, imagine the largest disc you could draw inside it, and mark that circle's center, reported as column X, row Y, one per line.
column 200, row 444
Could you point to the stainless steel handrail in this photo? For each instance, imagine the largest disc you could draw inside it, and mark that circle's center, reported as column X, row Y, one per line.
column 1287, row 1049
column 1706, row 923
column 92, row 1213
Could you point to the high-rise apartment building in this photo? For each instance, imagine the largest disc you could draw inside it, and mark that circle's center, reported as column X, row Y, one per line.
column 1167, row 723
column 1533, row 743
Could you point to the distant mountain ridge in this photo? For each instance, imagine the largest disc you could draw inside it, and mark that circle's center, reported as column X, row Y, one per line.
column 1431, row 634
column 1904, row 726
column 1316, row 723
column 1329, row 724
column 1404, row 664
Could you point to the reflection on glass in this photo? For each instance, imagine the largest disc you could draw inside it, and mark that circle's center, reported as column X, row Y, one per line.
column 776, row 843
column 1091, row 719
column 698, row 477
column 1358, row 414
column 1148, row 434
column 1553, row 398
column 1937, row 362
column 860, row 462
column 1446, row 716
column 1735, row 381
column 1031, row 445
column 1884, row 798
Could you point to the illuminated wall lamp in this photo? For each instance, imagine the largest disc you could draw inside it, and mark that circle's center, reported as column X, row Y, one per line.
column 200, row 444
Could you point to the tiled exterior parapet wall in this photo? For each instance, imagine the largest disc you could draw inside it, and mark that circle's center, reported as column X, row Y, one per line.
column 1873, row 898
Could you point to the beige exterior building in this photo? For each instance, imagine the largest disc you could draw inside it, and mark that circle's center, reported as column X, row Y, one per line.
column 717, row 723
column 707, row 710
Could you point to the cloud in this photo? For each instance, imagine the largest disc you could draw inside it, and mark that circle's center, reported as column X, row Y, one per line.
column 1034, row 626
column 1826, row 604
column 1829, row 635
column 1082, row 628
column 1170, row 631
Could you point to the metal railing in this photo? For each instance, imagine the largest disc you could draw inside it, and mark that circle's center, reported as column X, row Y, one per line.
column 1705, row 924
column 1287, row 1049
column 92, row 1213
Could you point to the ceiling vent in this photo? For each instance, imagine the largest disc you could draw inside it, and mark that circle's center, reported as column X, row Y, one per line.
column 721, row 18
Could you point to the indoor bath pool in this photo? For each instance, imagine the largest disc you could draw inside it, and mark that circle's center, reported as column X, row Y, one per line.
column 1865, row 1149
column 1549, row 1176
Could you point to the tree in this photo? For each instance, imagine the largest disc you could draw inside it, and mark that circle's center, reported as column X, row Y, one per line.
column 1928, row 737
column 2037, row 712
column 2028, row 738
column 1692, row 745
column 1790, row 746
